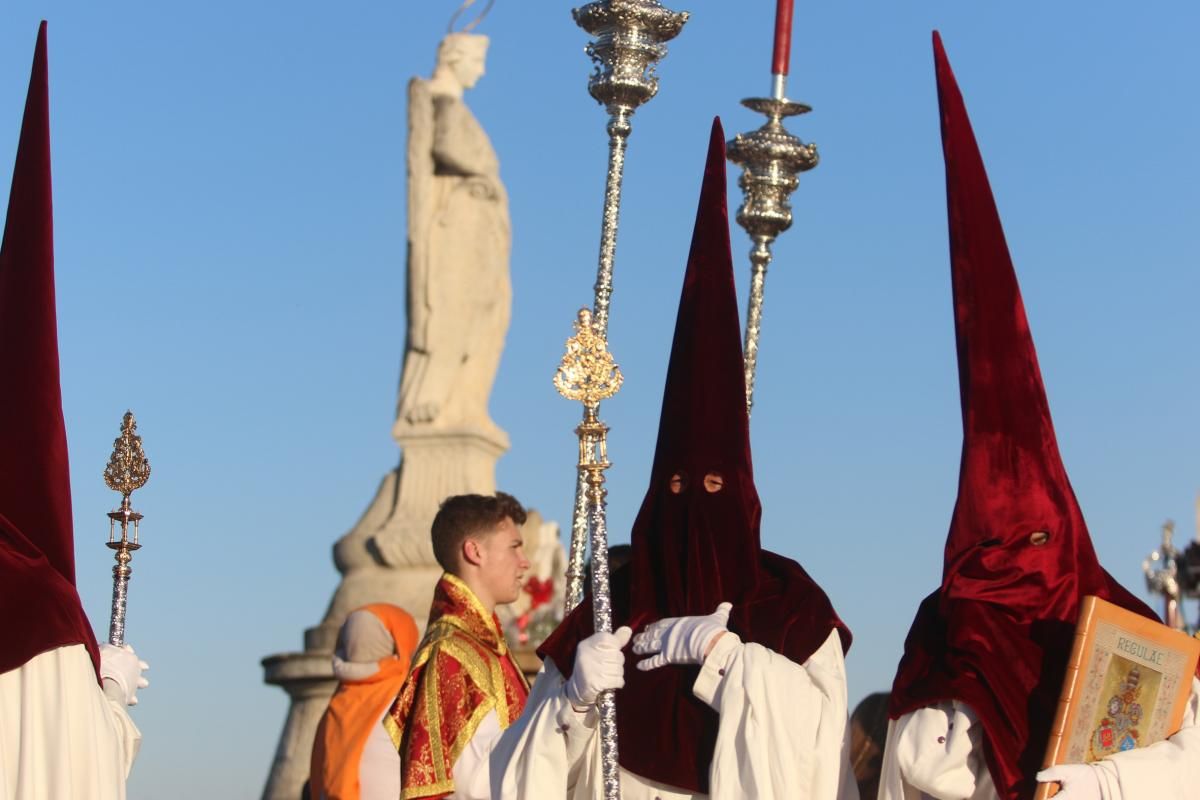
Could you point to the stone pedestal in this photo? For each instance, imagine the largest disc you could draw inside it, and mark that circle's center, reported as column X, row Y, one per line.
column 387, row 557
column 309, row 682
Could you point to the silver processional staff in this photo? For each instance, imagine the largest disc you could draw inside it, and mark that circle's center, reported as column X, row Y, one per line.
column 128, row 470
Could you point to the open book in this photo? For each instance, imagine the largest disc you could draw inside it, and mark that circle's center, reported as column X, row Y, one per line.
column 1127, row 685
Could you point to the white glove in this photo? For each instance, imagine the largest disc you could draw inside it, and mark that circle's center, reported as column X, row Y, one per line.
column 1079, row 781
column 123, row 668
column 599, row 666
column 680, row 640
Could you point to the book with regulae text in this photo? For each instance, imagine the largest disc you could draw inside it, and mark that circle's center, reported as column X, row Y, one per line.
column 1127, row 685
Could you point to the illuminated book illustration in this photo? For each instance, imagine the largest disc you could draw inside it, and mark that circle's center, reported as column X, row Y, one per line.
column 1127, row 685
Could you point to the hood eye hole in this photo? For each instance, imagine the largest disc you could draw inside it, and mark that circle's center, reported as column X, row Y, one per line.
column 713, row 482
column 1038, row 538
column 678, row 482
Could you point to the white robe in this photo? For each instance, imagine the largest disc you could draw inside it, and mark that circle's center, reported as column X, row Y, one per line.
column 61, row 738
column 782, row 733
column 936, row 753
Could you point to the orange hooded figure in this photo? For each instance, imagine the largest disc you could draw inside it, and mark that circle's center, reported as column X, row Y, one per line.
column 353, row 757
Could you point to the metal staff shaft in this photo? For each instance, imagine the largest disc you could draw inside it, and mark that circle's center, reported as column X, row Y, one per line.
column 606, row 702
column 772, row 160
column 116, row 622
column 760, row 259
column 122, row 571
column 619, row 129
column 579, row 544
column 588, row 374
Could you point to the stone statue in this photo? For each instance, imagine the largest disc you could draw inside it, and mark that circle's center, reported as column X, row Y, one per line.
column 459, row 303
column 459, row 295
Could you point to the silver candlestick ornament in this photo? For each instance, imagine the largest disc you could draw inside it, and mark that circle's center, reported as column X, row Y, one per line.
column 127, row 470
column 1174, row 574
column 630, row 36
column 588, row 374
column 629, row 42
column 771, row 159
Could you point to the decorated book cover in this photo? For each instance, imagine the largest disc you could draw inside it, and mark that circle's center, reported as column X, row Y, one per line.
column 1127, row 685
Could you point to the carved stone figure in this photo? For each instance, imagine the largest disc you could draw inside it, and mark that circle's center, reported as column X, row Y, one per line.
column 459, row 295
column 459, row 303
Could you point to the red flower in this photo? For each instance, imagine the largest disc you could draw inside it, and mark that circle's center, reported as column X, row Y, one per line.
column 540, row 592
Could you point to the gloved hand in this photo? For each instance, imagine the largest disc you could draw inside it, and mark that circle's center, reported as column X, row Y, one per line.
column 123, row 668
column 599, row 665
column 680, row 640
column 1079, row 781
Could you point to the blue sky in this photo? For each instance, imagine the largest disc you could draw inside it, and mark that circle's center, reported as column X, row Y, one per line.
column 229, row 198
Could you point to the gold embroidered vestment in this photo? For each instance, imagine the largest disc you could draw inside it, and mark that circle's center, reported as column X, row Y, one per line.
column 462, row 671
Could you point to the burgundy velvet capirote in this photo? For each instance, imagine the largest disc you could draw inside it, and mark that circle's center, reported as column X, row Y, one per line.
column 693, row 549
column 38, row 600
column 997, row 633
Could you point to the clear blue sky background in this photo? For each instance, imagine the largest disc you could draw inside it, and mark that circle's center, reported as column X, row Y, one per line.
column 229, row 187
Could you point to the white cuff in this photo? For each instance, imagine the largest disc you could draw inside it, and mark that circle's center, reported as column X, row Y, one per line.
column 709, row 683
column 569, row 716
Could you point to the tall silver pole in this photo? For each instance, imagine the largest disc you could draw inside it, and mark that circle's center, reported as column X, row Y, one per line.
column 629, row 42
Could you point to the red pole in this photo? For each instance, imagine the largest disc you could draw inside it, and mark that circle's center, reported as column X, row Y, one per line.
column 783, row 37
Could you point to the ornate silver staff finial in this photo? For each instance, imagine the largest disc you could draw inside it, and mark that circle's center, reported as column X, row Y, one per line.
column 473, row 24
column 1161, row 569
column 127, row 471
column 630, row 37
column 589, row 374
column 771, row 159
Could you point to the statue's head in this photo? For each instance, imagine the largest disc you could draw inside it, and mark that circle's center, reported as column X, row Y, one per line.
column 462, row 55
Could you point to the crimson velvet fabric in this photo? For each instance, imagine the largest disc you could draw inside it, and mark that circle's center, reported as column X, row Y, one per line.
column 38, row 599
column 997, row 633
column 695, row 549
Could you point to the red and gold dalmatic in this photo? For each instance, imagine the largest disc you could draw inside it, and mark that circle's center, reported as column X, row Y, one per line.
column 462, row 671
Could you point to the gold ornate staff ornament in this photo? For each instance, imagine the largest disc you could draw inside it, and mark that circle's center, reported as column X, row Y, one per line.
column 589, row 374
column 127, row 471
column 629, row 42
column 771, row 159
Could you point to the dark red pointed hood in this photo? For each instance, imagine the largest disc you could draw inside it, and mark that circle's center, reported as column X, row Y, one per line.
column 696, row 542
column 37, row 561
column 703, row 433
column 1018, row 557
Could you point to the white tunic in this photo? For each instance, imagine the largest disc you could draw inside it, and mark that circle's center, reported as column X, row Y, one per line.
column 782, row 733
column 379, row 767
column 61, row 738
column 936, row 753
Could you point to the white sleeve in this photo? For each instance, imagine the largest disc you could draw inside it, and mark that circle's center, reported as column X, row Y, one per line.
column 551, row 750
column 61, row 738
column 1168, row 770
column 769, row 751
column 935, row 752
column 471, row 768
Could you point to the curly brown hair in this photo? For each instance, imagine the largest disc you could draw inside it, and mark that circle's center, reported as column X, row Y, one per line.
column 465, row 515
